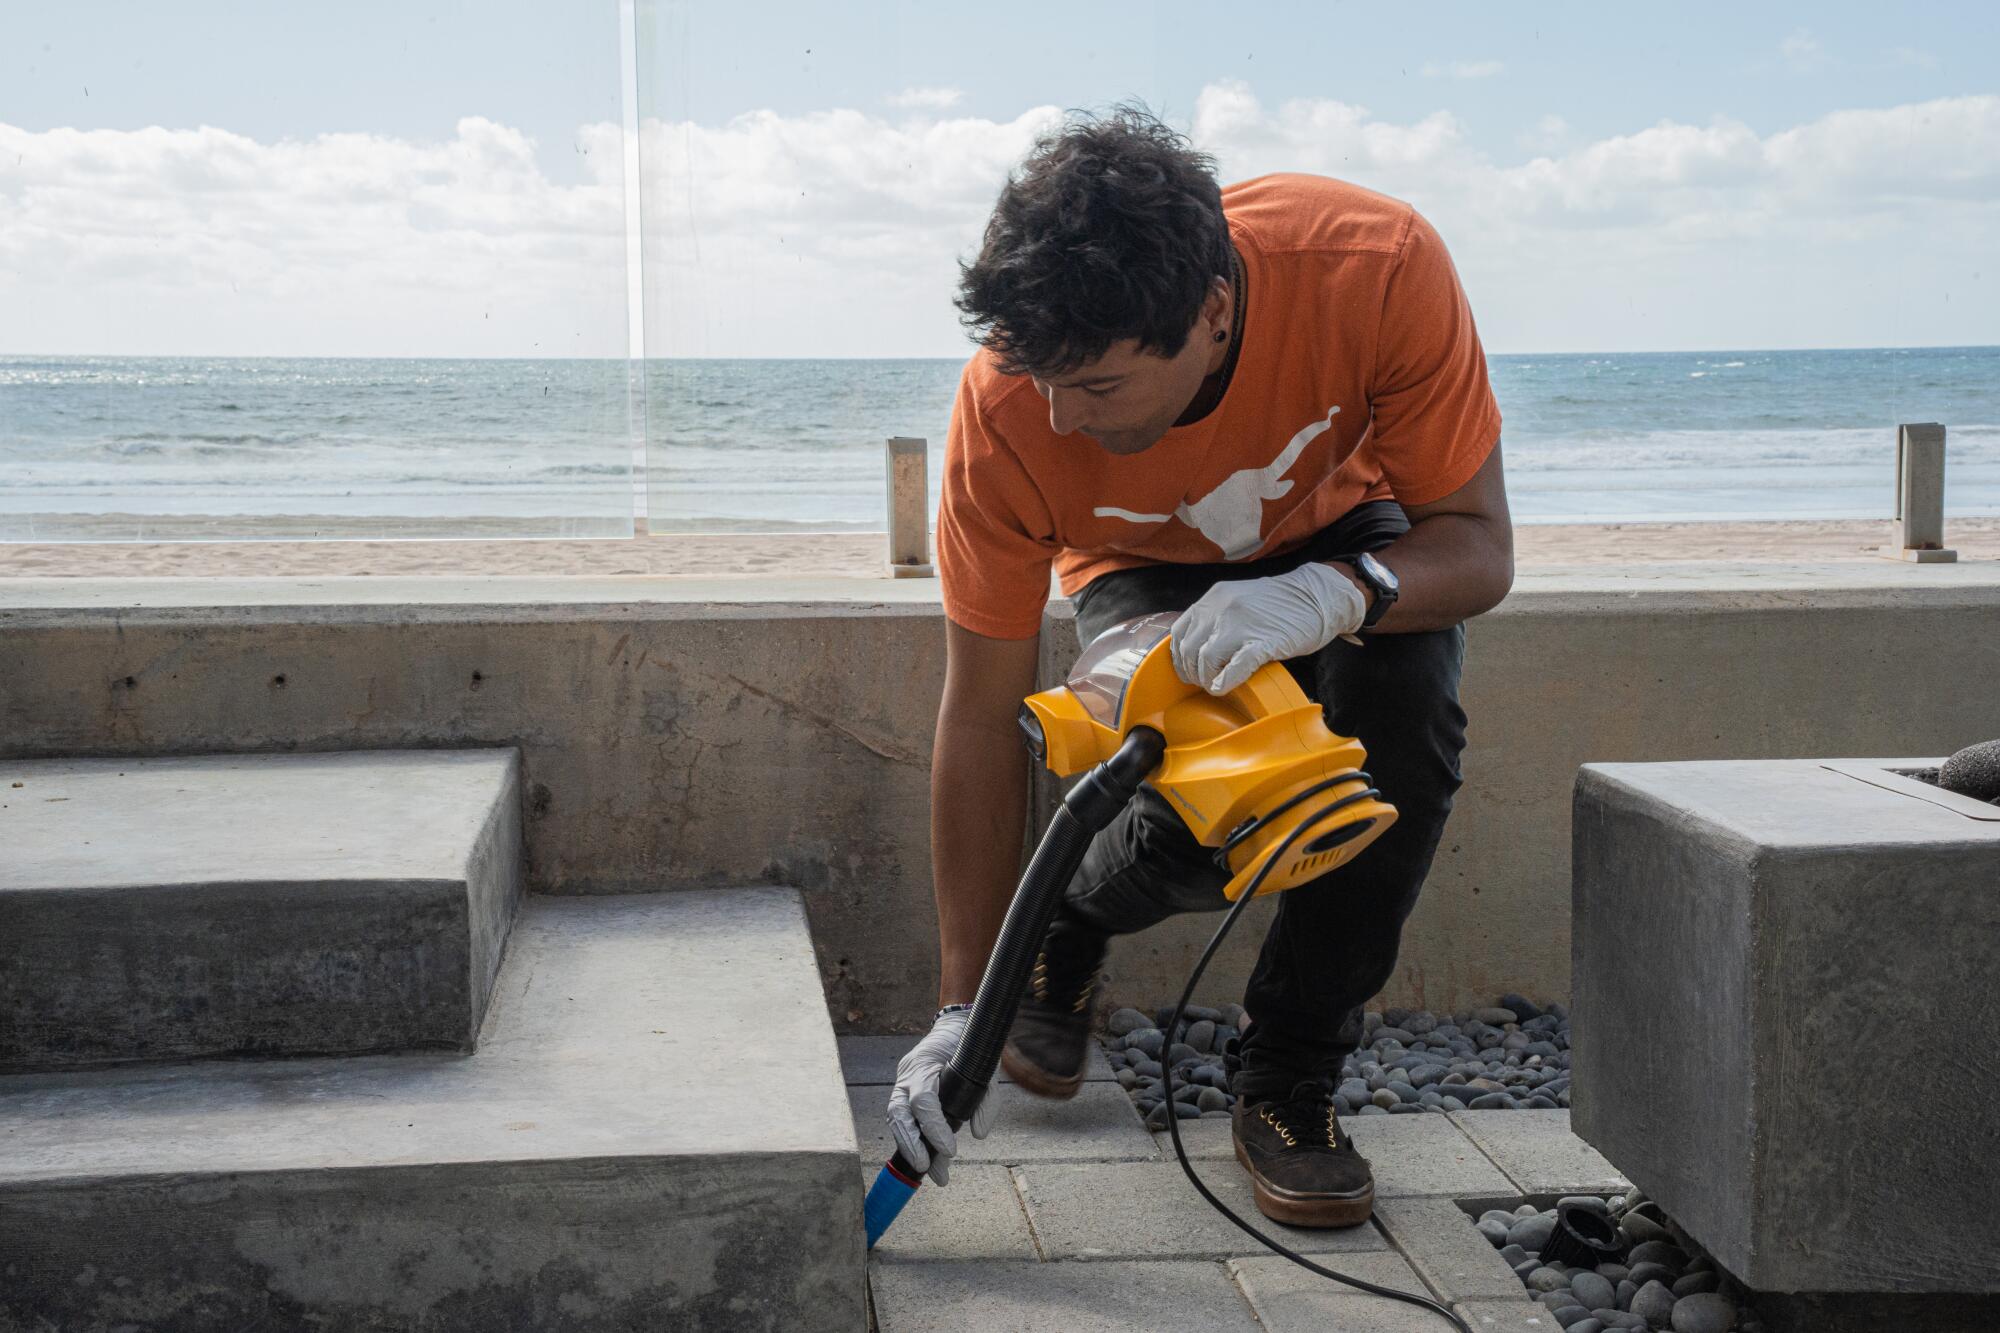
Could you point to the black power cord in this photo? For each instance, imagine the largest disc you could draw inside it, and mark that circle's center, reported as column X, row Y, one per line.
column 1167, row 1069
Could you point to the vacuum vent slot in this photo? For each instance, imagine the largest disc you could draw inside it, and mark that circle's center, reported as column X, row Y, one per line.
column 1333, row 838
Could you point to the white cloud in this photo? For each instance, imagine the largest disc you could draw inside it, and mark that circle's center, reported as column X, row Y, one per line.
column 1550, row 133
column 1801, row 52
column 1463, row 69
column 814, row 231
column 1320, row 134
column 831, row 232
column 926, row 99
column 1948, row 149
column 1854, row 228
column 159, row 240
column 839, row 231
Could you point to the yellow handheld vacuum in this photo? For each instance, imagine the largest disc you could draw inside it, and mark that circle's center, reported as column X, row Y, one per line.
column 1245, row 771
column 1255, row 773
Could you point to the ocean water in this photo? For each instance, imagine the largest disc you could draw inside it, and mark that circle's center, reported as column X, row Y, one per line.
column 555, row 447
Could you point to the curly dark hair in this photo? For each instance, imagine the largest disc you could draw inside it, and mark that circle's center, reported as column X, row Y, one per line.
column 1112, row 228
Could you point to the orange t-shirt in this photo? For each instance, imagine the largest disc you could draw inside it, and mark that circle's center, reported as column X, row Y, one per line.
column 1360, row 377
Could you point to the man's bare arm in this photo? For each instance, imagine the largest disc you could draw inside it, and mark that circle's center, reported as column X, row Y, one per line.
column 979, row 799
column 1456, row 560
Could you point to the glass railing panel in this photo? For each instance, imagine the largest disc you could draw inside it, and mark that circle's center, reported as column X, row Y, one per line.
column 314, row 273
column 810, row 179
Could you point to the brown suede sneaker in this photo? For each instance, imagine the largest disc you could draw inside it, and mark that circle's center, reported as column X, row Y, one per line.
column 1048, row 1047
column 1304, row 1171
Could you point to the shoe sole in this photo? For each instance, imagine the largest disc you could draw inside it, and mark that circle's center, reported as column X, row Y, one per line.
column 1326, row 1211
column 1036, row 1081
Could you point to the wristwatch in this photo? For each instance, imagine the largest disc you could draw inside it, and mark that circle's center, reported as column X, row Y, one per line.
column 1381, row 581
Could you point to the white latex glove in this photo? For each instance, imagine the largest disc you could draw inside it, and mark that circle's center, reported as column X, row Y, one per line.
column 916, row 1117
column 1238, row 626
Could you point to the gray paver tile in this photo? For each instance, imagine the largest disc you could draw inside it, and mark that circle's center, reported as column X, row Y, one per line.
column 1289, row 1299
column 1410, row 1154
column 1442, row 1244
column 872, row 1060
column 1423, row 1155
column 1205, row 1140
column 1058, row 1298
column 977, row 1216
column 1142, row 1210
column 1099, row 1124
column 1538, row 1152
column 1515, row 1316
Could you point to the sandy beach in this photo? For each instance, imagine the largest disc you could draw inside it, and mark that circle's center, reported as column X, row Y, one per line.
column 862, row 554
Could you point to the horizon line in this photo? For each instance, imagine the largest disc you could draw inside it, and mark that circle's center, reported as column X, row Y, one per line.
column 645, row 360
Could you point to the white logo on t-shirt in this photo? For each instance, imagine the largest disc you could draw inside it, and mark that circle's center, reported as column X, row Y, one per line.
column 1232, row 515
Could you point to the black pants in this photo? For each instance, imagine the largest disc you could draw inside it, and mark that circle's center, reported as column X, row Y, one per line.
column 1333, row 942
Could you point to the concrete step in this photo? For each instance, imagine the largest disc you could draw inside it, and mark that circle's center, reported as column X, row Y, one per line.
column 270, row 904
column 651, row 1134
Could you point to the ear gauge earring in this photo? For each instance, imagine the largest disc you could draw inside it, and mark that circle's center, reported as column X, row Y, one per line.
column 1222, row 335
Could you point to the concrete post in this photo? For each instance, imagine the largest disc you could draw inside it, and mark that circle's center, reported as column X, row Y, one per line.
column 909, row 508
column 1920, row 493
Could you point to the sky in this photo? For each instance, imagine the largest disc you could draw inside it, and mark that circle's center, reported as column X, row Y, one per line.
column 451, row 179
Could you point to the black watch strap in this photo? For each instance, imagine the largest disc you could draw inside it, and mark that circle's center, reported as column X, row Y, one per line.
column 1380, row 581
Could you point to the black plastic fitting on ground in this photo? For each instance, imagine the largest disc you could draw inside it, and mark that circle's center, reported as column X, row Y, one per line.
column 1582, row 1236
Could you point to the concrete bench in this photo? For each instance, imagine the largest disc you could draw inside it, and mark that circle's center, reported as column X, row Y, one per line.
column 652, row 1133
column 1750, row 940
column 271, row 904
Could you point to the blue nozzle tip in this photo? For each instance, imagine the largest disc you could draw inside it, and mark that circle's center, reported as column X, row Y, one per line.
column 886, row 1198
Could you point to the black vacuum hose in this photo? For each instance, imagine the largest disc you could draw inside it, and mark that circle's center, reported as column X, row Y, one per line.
column 1090, row 805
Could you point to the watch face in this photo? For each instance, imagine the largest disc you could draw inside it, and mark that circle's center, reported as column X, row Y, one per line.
column 1377, row 573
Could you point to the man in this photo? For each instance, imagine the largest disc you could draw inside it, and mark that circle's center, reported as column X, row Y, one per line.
column 1265, row 408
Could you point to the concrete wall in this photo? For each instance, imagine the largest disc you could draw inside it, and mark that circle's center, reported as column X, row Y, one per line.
column 685, row 735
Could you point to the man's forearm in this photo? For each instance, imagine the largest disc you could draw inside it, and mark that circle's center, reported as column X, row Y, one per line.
column 979, row 800
column 1449, row 568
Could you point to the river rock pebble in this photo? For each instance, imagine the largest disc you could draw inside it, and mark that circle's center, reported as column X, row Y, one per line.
column 1532, row 1232
column 1639, row 1228
column 1124, row 1022
column 1974, row 771
column 1658, row 1252
column 1704, row 1312
column 1593, row 1290
column 1654, row 1303
column 1642, row 1273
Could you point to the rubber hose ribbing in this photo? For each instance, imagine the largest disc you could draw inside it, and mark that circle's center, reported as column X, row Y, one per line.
column 1094, row 802
column 993, row 1009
